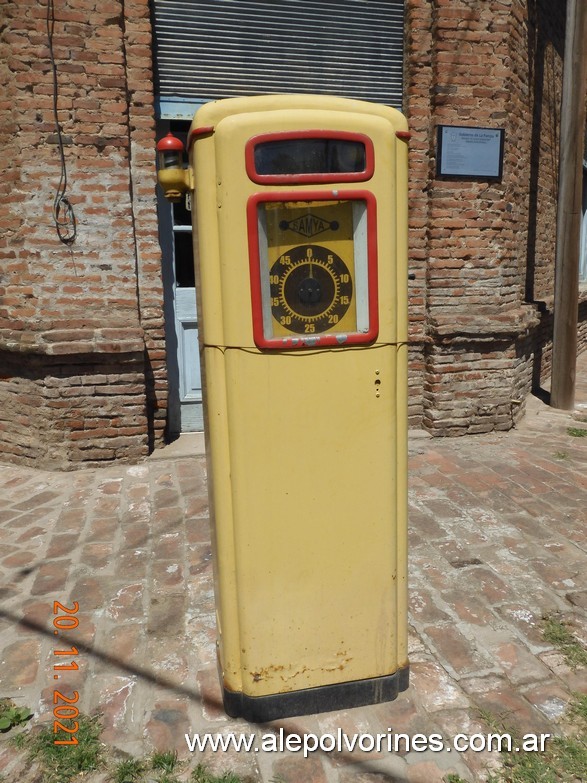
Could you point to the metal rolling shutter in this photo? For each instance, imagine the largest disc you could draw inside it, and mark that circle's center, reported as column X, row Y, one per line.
column 208, row 49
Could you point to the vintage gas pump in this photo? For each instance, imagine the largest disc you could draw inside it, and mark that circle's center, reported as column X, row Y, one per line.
column 302, row 277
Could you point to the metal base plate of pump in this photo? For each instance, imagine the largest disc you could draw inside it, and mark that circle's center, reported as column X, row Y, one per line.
column 340, row 696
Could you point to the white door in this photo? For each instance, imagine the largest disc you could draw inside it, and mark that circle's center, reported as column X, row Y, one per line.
column 186, row 327
column 583, row 246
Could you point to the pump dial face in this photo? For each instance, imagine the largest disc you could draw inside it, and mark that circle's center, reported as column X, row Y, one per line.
column 311, row 289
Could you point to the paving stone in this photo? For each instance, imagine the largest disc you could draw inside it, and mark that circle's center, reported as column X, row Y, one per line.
column 577, row 625
column 110, row 487
column 358, row 724
column 62, row 544
column 469, row 723
column 423, row 607
column 457, row 553
column 134, row 563
column 127, row 602
column 198, row 530
column 70, row 521
column 440, row 509
column 211, row 693
column 196, row 507
column 518, row 663
column 435, row 688
column 40, row 499
column 429, row 571
column 170, row 660
column 19, row 665
column 459, row 653
column 51, row 577
column 560, row 574
column 116, row 697
column 102, row 529
column 492, row 587
column 167, row 498
column 200, row 558
column 70, row 687
column 20, row 769
column 246, row 764
column 170, row 546
column 168, row 520
column 8, row 593
column 415, row 644
column 8, row 515
column 404, row 716
column 167, row 614
column 526, row 622
column 550, row 698
column 201, row 639
column 294, row 769
column 575, row 680
column 135, row 534
column 469, row 609
column 45, row 515
column 428, row 771
column 124, row 643
column 167, row 726
column 106, row 506
column 510, row 707
column 354, row 776
column 32, row 533
column 88, row 591
column 97, row 555
column 36, row 615
column 85, row 633
column 167, row 576
column 19, row 560
column 426, row 525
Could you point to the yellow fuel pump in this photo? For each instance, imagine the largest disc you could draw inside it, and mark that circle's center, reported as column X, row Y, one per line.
column 301, row 214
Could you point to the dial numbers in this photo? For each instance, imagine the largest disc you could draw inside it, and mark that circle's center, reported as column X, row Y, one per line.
column 311, row 289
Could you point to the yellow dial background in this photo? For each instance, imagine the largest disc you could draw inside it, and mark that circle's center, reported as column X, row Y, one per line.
column 325, row 223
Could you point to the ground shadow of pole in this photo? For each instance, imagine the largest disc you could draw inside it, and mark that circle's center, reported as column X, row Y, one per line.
column 288, row 726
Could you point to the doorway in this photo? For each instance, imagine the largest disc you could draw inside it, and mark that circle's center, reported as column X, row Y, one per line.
column 181, row 318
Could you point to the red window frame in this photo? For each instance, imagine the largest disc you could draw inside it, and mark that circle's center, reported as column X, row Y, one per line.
column 290, row 179
column 318, row 340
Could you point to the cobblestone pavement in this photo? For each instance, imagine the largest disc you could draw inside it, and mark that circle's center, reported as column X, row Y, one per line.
column 498, row 540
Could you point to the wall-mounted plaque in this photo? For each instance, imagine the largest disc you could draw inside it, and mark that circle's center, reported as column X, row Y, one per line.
column 470, row 152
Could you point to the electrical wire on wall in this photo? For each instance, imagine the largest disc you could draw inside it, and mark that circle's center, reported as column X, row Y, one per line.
column 63, row 213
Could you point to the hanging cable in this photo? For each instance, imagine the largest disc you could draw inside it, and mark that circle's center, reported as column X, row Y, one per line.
column 63, row 213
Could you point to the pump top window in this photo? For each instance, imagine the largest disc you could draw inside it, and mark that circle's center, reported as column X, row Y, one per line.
column 310, row 157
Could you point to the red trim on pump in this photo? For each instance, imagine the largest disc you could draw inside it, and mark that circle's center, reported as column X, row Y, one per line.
column 317, row 341
column 294, row 179
column 205, row 130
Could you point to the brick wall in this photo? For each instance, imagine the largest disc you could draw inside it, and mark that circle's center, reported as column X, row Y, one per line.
column 72, row 409
column 81, row 327
column 482, row 251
